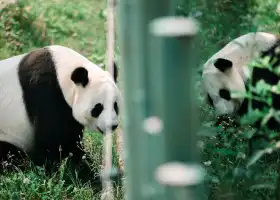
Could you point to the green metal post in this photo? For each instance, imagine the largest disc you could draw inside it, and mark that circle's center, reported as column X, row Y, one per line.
column 177, row 58
column 143, row 97
column 143, row 152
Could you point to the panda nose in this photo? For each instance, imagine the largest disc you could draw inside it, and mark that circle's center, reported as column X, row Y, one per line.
column 114, row 127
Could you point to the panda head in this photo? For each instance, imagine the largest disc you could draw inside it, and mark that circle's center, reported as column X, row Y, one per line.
column 220, row 78
column 95, row 98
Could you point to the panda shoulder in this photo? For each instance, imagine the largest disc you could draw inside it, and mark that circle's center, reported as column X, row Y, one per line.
column 63, row 51
column 66, row 57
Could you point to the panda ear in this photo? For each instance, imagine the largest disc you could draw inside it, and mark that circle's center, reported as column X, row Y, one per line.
column 80, row 76
column 116, row 72
column 222, row 64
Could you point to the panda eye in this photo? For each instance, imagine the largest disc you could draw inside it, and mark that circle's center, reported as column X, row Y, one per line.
column 116, row 108
column 225, row 94
column 97, row 110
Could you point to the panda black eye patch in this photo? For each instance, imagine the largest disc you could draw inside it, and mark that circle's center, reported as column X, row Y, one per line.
column 116, row 108
column 97, row 110
column 225, row 94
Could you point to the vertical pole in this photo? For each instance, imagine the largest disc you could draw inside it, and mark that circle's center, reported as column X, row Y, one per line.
column 107, row 150
column 144, row 79
column 131, row 41
column 140, row 160
column 142, row 100
column 177, row 58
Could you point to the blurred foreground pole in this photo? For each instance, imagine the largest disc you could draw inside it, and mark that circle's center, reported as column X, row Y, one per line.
column 142, row 148
column 175, row 39
column 158, row 128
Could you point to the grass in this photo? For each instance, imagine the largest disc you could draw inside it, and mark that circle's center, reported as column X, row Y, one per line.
column 81, row 25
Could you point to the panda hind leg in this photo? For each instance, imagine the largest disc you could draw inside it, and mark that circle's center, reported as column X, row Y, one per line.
column 11, row 157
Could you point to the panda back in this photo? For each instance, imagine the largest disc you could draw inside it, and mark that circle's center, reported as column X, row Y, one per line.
column 241, row 51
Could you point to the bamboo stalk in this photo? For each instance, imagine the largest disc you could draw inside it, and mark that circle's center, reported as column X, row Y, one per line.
column 151, row 141
column 139, row 104
column 107, row 193
column 177, row 60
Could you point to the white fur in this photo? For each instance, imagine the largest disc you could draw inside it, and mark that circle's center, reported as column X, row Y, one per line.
column 14, row 124
column 15, row 127
column 101, row 89
column 240, row 52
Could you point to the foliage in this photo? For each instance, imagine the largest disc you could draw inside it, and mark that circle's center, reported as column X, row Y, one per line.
column 25, row 26
column 240, row 164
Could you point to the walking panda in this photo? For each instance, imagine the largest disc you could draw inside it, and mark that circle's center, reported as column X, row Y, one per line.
column 227, row 71
column 47, row 97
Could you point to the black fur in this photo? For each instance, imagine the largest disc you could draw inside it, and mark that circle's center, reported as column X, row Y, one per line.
column 270, row 78
column 264, row 74
column 274, row 54
column 225, row 94
column 116, row 72
column 57, row 133
column 97, row 110
column 116, row 108
column 243, row 108
column 222, row 64
column 80, row 76
column 210, row 100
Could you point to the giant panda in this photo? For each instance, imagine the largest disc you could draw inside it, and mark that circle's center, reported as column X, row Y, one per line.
column 266, row 68
column 227, row 71
column 47, row 97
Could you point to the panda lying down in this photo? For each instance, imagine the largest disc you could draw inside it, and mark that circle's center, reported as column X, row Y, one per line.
column 228, row 71
column 47, row 97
